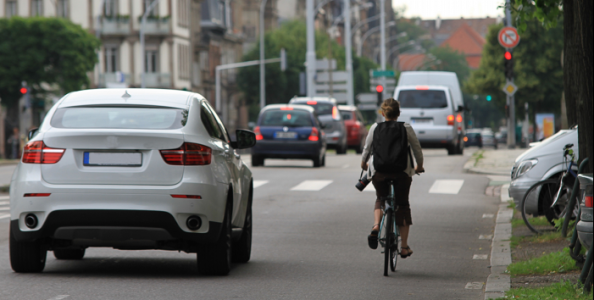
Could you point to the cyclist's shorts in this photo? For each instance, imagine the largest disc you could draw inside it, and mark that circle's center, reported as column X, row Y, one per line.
column 402, row 184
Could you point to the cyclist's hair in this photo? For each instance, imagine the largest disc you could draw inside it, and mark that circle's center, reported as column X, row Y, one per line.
column 391, row 108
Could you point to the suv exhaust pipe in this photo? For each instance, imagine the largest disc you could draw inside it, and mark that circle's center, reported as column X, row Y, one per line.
column 31, row 221
column 194, row 222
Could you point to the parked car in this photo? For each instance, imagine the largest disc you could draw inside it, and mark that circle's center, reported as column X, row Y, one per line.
column 289, row 132
column 585, row 226
column 473, row 138
column 355, row 127
column 541, row 162
column 334, row 127
column 433, row 115
column 132, row 169
column 489, row 139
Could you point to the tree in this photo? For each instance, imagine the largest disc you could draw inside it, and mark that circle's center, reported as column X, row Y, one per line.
column 577, row 58
column 538, row 77
column 282, row 86
column 49, row 51
column 448, row 59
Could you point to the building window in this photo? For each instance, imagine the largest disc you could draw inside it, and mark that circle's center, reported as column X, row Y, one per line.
column 11, row 8
column 36, row 8
column 151, row 61
column 154, row 12
column 111, row 59
column 63, row 8
column 111, row 8
column 183, row 53
column 183, row 13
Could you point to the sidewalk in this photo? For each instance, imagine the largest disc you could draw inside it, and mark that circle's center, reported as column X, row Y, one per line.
column 493, row 162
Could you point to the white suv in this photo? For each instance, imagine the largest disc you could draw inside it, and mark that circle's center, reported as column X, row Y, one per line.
column 132, row 169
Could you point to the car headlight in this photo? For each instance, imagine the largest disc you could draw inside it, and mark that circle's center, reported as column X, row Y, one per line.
column 525, row 166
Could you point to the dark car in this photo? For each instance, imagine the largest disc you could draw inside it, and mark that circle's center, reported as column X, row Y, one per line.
column 355, row 127
column 289, row 132
column 473, row 138
column 334, row 127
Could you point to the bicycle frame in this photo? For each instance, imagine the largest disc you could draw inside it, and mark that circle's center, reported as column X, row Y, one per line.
column 568, row 152
column 389, row 209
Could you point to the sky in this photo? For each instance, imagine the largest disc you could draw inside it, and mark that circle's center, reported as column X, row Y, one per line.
column 450, row 9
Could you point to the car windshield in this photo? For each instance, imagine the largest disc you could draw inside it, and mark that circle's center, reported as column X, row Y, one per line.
column 320, row 108
column 346, row 115
column 119, row 118
column 422, row 99
column 289, row 118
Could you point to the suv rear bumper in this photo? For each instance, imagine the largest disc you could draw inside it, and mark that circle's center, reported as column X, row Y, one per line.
column 136, row 229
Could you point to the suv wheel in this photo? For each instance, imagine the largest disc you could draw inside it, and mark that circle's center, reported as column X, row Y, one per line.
column 215, row 259
column 242, row 249
column 26, row 257
column 342, row 149
column 451, row 149
column 69, row 253
column 257, row 161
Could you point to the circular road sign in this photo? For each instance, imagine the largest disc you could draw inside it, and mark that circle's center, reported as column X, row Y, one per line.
column 509, row 37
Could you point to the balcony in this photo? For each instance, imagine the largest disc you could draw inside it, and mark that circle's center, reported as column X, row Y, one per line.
column 156, row 80
column 156, row 25
column 114, row 80
column 115, row 26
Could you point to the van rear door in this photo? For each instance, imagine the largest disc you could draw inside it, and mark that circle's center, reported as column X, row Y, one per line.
column 427, row 110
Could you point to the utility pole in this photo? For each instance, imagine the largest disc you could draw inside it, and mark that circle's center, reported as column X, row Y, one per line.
column 262, row 69
column 383, row 42
column 310, row 55
column 349, row 59
column 511, row 124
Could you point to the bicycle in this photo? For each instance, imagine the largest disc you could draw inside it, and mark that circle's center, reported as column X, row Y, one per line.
column 391, row 234
column 547, row 200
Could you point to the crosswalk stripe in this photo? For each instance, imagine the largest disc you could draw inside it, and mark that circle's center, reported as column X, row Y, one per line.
column 4, row 197
column 4, row 216
column 311, row 185
column 442, row 186
column 4, row 208
column 369, row 188
column 4, row 202
column 259, row 183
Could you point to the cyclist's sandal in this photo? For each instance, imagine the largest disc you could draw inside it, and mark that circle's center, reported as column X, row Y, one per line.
column 407, row 250
column 372, row 239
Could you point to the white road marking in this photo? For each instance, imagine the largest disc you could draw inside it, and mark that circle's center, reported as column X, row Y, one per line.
column 4, row 216
column 4, row 202
column 4, row 208
column 59, row 297
column 345, row 166
column 259, row 183
column 485, row 216
column 480, row 256
column 474, row 286
column 446, row 186
column 369, row 188
column 4, row 197
column 311, row 185
column 485, row 236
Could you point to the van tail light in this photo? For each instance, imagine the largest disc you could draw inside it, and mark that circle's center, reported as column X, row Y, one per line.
column 259, row 136
column 38, row 153
column 314, row 136
column 451, row 120
column 459, row 118
column 189, row 154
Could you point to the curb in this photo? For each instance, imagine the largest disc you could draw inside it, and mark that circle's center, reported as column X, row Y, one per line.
column 469, row 168
column 499, row 282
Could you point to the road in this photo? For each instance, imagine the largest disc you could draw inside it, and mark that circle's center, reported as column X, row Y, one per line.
column 307, row 244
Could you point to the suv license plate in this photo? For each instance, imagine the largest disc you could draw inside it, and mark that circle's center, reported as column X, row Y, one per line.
column 106, row 159
column 422, row 121
column 286, row 135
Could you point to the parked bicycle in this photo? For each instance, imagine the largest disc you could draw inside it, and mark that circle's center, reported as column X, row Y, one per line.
column 547, row 200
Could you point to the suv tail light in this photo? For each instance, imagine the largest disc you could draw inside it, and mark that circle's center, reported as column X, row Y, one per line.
column 451, row 120
column 38, row 153
column 588, row 196
column 188, row 154
column 259, row 136
column 314, row 136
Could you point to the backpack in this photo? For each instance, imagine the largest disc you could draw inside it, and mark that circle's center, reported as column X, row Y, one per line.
column 390, row 147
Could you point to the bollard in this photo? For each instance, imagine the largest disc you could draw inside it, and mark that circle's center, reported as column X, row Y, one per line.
column 572, row 199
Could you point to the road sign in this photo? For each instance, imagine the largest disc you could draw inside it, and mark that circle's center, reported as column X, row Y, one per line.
column 376, row 81
column 336, row 76
column 508, row 37
column 367, row 97
column 367, row 106
column 383, row 73
column 325, row 64
column 339, row 97
column 510, row 89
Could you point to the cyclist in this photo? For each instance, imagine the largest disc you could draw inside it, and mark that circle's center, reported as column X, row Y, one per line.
column 390, row 143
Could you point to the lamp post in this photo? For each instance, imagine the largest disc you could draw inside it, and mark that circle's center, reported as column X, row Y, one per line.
column 370, row 32
column 143, row 23
column 262, row 69
column 310, row 55
column 349, row 53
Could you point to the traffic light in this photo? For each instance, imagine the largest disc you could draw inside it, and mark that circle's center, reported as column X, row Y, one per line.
column 509, row 65
column 489, row 98
column 379, row 89
column 24, row 90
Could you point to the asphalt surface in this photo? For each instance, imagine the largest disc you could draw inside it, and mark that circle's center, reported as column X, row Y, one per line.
column 306, row 245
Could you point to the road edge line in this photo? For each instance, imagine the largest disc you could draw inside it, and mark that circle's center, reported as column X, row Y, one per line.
column 499, row 282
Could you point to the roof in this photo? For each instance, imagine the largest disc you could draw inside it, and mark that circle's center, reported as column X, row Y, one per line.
column 152, row 97
column 278, row 106
column 467, row 41
column 347, row 107
column 314, row 98
column 411, row 62
column 440, row 30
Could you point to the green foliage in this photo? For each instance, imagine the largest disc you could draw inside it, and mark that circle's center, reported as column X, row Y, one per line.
column 547, row 12
column 449, row 60
column 538, row 72
column 39, row 50
column 556, row 291
column 282, row 86
column 556, row 262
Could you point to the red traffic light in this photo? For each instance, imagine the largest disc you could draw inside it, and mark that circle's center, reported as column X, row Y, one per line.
column 24, row 90
column 508, row 55
column 379, row 88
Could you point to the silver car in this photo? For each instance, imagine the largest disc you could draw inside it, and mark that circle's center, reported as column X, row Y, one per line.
column 543, row 161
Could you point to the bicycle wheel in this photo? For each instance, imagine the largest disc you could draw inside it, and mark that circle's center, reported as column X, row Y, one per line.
column 388, row 241
column 536, row 205
column 394, row 249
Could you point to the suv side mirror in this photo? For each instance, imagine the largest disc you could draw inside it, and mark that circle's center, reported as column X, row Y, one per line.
column 245, row 139
column 460, row 108
column 32, row 133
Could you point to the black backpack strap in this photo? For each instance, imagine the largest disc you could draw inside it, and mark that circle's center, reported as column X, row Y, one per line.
column 412, row 164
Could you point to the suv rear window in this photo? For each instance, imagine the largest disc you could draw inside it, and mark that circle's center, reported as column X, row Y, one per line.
column 320, row 108
column 119, row 118
column 289, row 118
column 422, row 99
column 346, row 115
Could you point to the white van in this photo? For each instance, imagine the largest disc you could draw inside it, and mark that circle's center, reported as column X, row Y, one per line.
column 432, row 103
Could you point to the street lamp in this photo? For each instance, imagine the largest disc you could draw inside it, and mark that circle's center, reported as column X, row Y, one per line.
column 262, row 70
column 370, row 32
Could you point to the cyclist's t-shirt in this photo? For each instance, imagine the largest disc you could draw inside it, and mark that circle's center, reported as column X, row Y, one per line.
column 413, row 142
